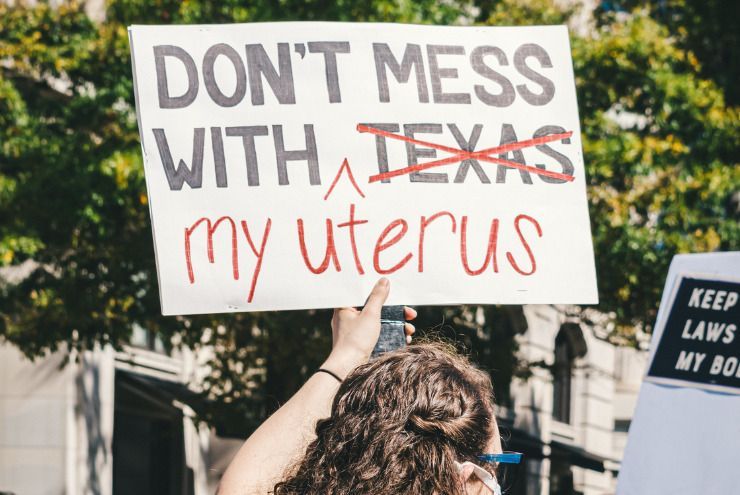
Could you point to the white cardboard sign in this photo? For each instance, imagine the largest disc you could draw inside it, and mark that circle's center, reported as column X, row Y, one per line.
column 289, row 165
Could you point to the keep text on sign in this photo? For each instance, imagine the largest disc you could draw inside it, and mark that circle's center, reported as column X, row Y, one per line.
column 699, row 345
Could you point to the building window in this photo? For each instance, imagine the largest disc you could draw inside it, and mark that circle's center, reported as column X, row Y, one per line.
column 148, row 441
column 562, row 378
column 622, row 425
column 561, row 478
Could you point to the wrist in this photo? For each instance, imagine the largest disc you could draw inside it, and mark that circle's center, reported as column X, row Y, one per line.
column 344, row 362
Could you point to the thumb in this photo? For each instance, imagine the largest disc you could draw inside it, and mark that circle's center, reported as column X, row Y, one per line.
column 377, row 298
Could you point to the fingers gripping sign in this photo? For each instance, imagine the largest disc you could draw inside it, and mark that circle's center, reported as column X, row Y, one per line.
column 355, row 332
column 394, row 331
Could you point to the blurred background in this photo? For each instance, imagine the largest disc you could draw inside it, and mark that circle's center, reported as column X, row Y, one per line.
column 100, row 394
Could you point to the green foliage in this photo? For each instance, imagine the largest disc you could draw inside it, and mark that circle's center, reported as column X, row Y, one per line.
column 526, row 13
column 199, row 11
column 261, row 359
column 660, row 150
column 707, row 28
column 71, row 185
column 73, row 207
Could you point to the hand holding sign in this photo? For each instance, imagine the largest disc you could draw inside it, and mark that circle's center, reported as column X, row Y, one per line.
column 355, row 332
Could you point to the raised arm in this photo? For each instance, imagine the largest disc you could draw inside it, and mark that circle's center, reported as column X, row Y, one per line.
column 282, row 439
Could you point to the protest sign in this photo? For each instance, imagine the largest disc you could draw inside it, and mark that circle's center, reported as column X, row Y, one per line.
column 685, row 431
column 289, row 165
column 699, row 345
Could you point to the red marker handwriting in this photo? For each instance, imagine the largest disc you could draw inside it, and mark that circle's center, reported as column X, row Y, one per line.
column 461, row 155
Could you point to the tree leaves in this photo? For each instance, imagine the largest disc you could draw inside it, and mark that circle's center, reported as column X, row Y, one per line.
column 660, row 147
column 660, row 151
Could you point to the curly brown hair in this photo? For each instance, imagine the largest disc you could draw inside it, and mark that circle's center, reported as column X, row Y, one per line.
column 397, row 425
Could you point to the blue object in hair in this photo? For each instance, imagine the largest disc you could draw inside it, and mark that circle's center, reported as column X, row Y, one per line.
column 503, row 458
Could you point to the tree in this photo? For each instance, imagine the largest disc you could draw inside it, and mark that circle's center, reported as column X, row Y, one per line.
column 74, row 228
column 660, row 153
column 660, row 147
column 707, row 28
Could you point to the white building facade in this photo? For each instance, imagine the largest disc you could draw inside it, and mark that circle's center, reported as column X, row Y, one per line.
column 111, row 422
column 570, row 418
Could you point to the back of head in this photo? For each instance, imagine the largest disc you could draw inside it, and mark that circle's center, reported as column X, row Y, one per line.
column 397, row 425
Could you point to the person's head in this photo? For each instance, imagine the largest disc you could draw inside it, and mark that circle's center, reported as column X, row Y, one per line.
column 398, row 425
